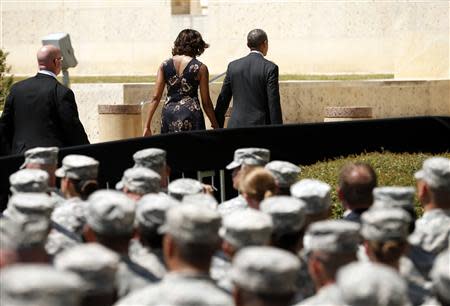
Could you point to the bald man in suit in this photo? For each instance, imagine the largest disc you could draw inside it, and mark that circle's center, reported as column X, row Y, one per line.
column 40, row 111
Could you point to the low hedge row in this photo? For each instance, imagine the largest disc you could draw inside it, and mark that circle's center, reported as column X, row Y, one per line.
column 392, row 169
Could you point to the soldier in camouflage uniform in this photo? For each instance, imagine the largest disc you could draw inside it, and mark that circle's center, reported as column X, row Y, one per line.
column 150, row 216
column 97, row 266
column 385, row 232
column 110, row 217
column 154, row 159
column 366, row 283
column 69, row 217
column 244, row 160
column 138, row 181
column 432, row 232
column 44, row 158
column 317, row 198
column 190, row 239
column 40, row 285
column 241, row 228
column 264, row 276
column 329, row 245
column 286, row 174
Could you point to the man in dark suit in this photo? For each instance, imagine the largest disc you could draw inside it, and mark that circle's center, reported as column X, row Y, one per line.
column 252, row 81
column 40, row 111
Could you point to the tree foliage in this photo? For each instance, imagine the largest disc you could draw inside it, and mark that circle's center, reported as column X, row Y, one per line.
column 6, row 80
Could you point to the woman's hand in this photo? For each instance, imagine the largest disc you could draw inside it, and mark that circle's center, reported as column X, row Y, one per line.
column 147, row 132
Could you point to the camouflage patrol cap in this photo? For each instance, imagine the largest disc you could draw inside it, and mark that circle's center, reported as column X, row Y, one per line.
column 29, row 180
column 246, row 227
column 316, row 195
column 95, row 264
column 285, row 173
column 78, row 167
column 40, row 285
column 440, row 275
column 201, row 199
column 110, row 213
column 435, row 172
column 381, row 224
column 288, row 213
column 249, row 156
column 29, row 204
column 184, row 186
column 31, row 232
column 151, row 209
column 332, row 236
column 393, row 196
column 268, row 270
column 152, row 158
column 140, row 180
column 366, row 283
column 192, row 223
column 41, row 155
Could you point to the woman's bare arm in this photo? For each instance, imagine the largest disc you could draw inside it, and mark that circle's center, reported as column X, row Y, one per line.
column 157, row 93
column 206, row 99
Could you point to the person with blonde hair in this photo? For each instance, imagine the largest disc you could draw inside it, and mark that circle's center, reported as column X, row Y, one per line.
column 257, row 185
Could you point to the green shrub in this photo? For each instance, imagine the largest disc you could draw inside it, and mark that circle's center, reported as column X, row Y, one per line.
column 5, row 81
column 392, row 169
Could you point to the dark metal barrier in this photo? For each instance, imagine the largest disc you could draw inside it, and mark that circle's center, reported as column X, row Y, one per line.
column 298, row 143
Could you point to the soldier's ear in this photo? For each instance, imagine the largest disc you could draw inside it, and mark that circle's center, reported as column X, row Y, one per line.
column 88, row 234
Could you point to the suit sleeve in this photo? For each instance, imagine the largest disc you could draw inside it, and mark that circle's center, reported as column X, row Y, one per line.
column 223, row 101
column 73, row 130
column 273, row 97
column 7, row 125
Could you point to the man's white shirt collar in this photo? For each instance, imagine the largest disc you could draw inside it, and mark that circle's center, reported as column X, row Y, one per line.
column 256, row 51
column 47, row 73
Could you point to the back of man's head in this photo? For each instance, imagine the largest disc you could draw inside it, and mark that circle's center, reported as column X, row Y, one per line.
column 256, row 38
column 356, row 183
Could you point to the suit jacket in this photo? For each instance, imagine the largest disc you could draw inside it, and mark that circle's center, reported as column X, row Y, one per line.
column 252, row 81
column 40, row 111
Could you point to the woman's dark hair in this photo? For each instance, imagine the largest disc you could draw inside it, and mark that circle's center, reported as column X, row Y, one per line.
column 189, row 42
column 84, row 187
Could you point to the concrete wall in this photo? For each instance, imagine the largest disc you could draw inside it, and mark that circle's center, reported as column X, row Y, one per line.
column 120, row 37
column 302, row 101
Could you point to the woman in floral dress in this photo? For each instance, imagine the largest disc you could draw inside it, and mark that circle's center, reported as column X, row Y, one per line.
column 183, row 74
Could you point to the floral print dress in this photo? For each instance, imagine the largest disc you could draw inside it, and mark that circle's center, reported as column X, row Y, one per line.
column 182, row 111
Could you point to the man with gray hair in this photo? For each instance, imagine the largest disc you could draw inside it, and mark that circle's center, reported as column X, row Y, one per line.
column 110, row 221
column 252, row 82
column 39, row 111
column 264, row 276
column 190, row 239
column 432, row 232
column 244, row 160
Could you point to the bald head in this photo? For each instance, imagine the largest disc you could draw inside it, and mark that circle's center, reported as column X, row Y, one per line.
column 49, row 58
column 356, row 183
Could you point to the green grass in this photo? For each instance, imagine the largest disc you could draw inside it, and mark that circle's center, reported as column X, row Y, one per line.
column 284, row 77
column 392, row 169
